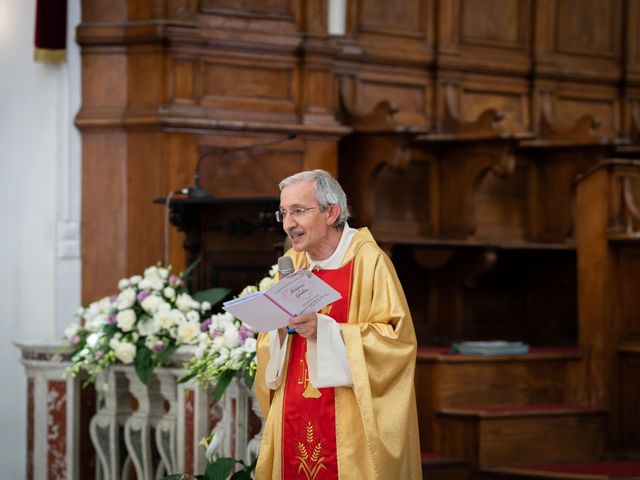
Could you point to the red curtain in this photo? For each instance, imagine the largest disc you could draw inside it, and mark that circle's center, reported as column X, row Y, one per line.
column 51, row 31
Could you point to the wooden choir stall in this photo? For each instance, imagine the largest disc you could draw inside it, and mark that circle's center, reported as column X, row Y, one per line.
column 491, row 146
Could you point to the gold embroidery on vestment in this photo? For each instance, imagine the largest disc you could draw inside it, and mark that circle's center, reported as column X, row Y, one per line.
column 309, row 390
column 310, row 465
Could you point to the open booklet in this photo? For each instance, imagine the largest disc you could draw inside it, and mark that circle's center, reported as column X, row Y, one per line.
column 299, row 293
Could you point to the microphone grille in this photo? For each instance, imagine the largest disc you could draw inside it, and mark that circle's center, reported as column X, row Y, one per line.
column 285, row 266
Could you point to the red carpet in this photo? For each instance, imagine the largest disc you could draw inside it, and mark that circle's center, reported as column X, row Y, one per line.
column 611, row 469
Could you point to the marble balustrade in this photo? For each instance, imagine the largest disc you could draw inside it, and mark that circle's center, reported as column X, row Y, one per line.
column 121, row 426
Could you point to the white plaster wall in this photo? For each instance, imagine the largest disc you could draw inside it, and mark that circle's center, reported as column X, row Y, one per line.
column 39, row 208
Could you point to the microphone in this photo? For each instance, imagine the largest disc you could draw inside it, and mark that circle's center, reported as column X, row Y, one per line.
column 198, row 192
column 285, row 268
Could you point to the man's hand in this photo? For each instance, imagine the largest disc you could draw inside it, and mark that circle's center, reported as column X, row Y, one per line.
column 305, row 325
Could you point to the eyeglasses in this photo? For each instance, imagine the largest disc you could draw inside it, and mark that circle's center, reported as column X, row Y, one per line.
column 295, row 213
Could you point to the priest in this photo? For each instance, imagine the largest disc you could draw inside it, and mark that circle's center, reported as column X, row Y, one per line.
column 337, row 387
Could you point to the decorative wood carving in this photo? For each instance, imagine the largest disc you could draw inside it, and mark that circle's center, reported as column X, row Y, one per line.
column 585, row 130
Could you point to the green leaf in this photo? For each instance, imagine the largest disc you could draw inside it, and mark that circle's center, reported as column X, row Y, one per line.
column 212, row 295
column 241, row 475
column 221, row 385
column 249, row 378
column 165, row 355
column 187, row 377
column 143, row 364
column 184, row 275
column 219, row 470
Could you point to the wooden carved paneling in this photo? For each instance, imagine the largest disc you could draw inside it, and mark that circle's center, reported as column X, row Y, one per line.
column 403, row 202
column 501, row 206
column 579, row 38
column 407, row 90
column 489, row 34
column 566, row 103
column 629, row 411
column 469, row 96
column 628, row 273
column 632, row 42
column 392, row 29
column 461, row 171
column 255, row 85
column 249, row 7
column 182, row 88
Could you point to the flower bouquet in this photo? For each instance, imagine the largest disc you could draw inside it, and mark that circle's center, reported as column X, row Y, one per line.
column 142, row 325
column 227, row 346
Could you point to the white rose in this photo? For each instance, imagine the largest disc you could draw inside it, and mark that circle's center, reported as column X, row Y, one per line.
column 231, row 338
column 151, row 273
column 92, row 340
column 156, row 284
column 126, row 299
column 164, row 307
column 184, row 302
column 222, row 321
column 91, row 311
column 273, row 270
column 250, row 345
column 169, row 293
column 135, row 279
column 149, row 326
column 188, row 331
column 165, row 318
column 105, row 305
column 126, row 319
column 125, row 352
column 97, row 321
column 218, row 343
column 178, row 316
column 248, row 289
column 151, row 304
column 123, row 283
column 145, row 284
column 193, row 316
column 265, row 284
column 71, row 330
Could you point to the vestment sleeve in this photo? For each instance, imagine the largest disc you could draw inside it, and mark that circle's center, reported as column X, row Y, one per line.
column 327, row 356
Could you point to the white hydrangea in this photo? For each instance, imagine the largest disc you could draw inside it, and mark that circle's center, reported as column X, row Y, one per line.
column 123, row 283
column 135, row 280
column 205, row 306
column 193, row 316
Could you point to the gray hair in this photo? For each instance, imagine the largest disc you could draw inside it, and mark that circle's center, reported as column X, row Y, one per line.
column 328, row 192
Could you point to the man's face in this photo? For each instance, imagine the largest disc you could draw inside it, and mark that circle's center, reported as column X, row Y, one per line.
column 308, row 230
